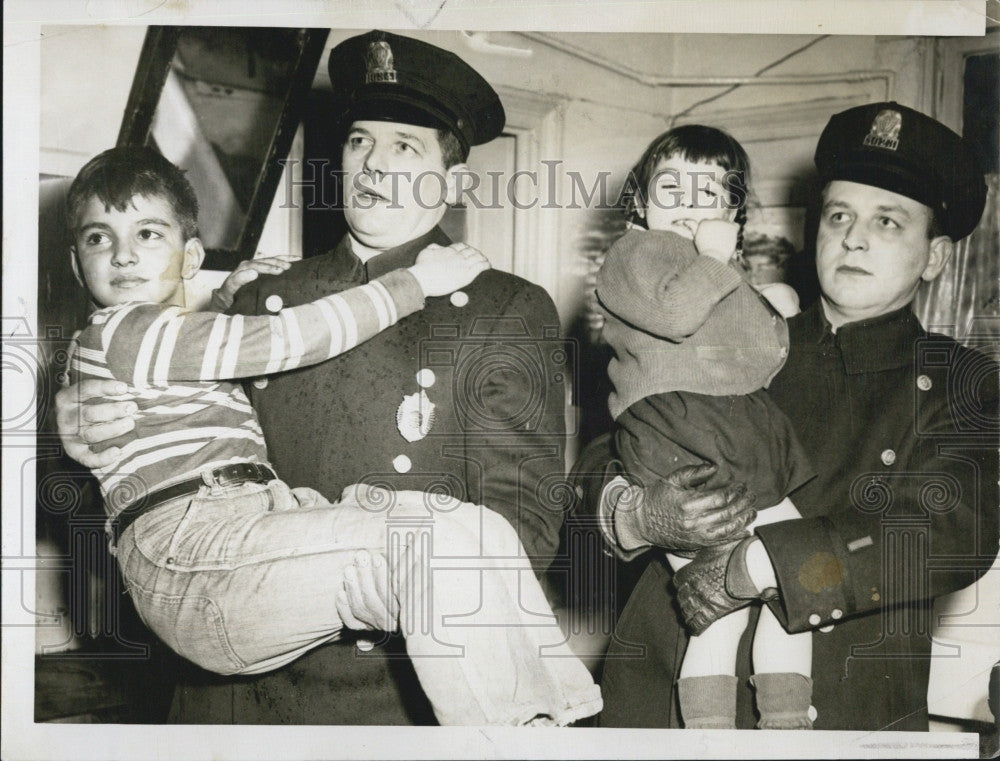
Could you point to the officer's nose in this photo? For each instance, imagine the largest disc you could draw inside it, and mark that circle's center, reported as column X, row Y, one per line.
column 375, row 161
column 855, row 238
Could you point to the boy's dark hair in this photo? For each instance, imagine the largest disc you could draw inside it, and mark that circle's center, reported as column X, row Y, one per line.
column 696, row 143
column 118, row 174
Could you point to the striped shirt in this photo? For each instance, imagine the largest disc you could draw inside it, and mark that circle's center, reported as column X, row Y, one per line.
column 180, row 368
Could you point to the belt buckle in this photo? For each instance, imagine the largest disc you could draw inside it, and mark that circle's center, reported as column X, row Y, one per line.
column 218, row 478
column 236, row 474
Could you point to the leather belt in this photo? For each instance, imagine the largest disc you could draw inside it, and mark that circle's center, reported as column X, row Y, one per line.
column 227, row 475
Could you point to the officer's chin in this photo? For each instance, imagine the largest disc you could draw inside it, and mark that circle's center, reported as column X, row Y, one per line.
column 379, row 238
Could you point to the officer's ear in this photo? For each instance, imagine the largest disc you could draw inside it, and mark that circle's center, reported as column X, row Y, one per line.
column 453, row 182
column 941, row 249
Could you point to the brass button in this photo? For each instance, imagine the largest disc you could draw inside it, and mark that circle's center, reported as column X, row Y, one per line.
column 924, row 383
column 888, row 457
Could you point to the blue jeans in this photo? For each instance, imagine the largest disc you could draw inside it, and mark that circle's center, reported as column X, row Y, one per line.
column 242, row 580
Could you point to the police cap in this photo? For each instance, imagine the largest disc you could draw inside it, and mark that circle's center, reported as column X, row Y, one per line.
column 387, row 77
column 901, row 150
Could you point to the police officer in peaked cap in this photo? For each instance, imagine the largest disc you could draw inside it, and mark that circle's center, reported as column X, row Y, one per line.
column 388, row 77
column 410, row 112
column 902, row 428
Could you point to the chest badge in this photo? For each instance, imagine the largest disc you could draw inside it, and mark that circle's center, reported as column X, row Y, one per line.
column 415, row 416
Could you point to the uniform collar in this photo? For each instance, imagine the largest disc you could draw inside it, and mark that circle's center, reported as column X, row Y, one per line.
column 346, row 264
column 886, row 342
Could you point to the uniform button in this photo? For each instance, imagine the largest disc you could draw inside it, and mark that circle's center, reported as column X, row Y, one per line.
column 774, row 319
column 459, row 298
column 826, row 629
column 836, row 614
column 260, row 383
column 812, row 713
column 273, row 303
column 814, row 619
column 365, row 645
column 402, row 464
column 924, row 383
column 888, row 457
column 425, row 378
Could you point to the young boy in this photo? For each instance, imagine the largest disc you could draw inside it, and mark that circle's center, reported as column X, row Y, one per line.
column 227, row 564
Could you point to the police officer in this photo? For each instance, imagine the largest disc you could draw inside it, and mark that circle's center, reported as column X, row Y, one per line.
column 902, row 427
column 467, row 397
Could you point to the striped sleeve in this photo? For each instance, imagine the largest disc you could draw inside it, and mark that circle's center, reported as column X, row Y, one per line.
column 152, row 345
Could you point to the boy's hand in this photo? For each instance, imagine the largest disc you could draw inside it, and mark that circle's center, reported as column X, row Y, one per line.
column 443, row 269
column 717, row 238
column 366, row 601
column 247, row 271
column 81, row 425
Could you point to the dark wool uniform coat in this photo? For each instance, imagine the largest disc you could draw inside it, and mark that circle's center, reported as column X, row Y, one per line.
column 499, row 372
column 902, row 429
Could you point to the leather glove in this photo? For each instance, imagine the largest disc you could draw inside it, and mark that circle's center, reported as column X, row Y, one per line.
column 716, row 583
column 675, row 514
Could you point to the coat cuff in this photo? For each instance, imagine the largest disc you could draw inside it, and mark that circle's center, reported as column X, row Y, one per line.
column 814, row 571
column 615, row 514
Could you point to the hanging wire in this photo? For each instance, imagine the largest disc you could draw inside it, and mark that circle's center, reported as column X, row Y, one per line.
column 730, row 89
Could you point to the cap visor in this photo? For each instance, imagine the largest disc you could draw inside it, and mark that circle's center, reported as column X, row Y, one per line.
column 881, row 172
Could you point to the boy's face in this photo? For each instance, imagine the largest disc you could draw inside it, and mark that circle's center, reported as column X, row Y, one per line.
column 396, row 184
column 139, row 254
